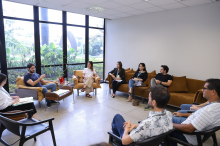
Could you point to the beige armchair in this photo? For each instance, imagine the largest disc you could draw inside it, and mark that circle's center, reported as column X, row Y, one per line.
column 78, row 82
column 25, row 91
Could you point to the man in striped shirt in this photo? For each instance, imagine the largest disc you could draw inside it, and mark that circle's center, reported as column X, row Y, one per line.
column 205, row 118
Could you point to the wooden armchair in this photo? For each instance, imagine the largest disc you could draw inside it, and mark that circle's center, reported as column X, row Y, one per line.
column 25, row 91
column 78, row 81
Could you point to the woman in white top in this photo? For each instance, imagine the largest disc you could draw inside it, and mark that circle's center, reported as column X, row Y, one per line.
column 89, row 74
column 6, row 101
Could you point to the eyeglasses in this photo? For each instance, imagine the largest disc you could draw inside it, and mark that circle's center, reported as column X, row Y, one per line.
column 204, row 88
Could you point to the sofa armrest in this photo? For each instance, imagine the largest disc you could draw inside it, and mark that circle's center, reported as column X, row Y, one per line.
column 75, row 80
column 97, row 80
column 38, row 89
column 199, row 97
column 22, row 93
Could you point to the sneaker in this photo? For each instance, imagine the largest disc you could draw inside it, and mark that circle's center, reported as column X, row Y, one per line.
column 48, row 105
column 147, row 107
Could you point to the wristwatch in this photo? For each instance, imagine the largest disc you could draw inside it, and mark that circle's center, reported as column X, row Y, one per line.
column 161, row 82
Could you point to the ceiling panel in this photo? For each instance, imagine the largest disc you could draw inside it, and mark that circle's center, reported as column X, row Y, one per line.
column 195, row 2
column 125, row 9
column 127, row 2
column 161, row 2
column 111, row 12
column 137, row 12
column 79, row 5
column 173, row 6
column 154, row 9
column 110, row 5
column 29, row 2
column 94, row 2
column 142, row 5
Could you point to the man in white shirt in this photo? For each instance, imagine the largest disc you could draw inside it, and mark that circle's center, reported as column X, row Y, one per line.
column 159, row 120
column 205, row 118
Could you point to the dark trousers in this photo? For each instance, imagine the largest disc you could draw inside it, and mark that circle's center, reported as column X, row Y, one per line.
column 27, row 106
column 115, row 85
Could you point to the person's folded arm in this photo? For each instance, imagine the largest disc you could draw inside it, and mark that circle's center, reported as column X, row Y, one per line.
column 185, row 127
column 126, row 139
column 168, row 83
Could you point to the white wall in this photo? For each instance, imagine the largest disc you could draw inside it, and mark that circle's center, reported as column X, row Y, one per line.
column 187, row 40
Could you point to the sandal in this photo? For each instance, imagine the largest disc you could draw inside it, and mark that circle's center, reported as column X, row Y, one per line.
column 88, row 95
column 83, row 89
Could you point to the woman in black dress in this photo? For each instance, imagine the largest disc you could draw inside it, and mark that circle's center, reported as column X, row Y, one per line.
column 118, row 74
column 6, row 101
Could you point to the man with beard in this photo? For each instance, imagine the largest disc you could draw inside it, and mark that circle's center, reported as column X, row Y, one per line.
column 33, row 79
column 159, row 120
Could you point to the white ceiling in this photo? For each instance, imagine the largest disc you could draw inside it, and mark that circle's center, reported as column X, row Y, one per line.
column 114, row 8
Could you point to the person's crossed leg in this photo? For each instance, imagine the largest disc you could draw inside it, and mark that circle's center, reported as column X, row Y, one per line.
column 53, row 87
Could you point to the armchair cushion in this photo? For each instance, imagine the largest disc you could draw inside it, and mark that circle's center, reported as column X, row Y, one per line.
column 178, row 85
column 20, row 81
column 80, row 79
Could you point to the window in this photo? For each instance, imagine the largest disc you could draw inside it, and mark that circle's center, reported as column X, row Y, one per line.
column 96, row 22
column 76, row 19
column 12, row 76
column 51, row 44
column 99, row 69
column 52, row 72
column 71, row 69
column 96, row 45
column 75, row 44
column 50, row 15
column 19, row 41
column 12, row 9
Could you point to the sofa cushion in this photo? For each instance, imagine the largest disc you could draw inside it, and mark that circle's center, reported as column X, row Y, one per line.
column 176, row 99
column 20, row 81
column 178, row 85
column 128, row 76
column 127, row 69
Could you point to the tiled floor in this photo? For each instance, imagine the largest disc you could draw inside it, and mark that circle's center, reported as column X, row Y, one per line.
column 88, row 120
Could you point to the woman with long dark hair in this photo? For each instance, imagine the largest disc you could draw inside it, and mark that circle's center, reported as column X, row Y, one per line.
column 6, row 101
column 118, row 75
column 140, row 74
column 89, row 75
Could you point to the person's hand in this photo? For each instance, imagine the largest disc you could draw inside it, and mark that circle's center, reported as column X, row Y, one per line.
column 42, row 76
column 16, row 100
column 157, row 81
column 93, row 77
column 194, row 107
column 128, row 126
column 134, row 79
column 177, row 114
column 113, row 76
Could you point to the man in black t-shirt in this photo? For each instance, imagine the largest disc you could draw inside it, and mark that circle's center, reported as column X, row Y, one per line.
column 162, row 78
column 33, row 79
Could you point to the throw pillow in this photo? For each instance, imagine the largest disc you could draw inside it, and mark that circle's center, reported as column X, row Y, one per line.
column 80, row 79
column 178, row 85
column 128, row 76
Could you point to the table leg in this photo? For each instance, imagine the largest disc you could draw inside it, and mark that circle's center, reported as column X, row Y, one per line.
column 73, row 97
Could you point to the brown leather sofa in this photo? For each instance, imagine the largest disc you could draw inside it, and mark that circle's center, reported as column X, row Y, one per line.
column 182, row 91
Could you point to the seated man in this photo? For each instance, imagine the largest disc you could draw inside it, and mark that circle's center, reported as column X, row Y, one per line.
column 162, row 78
column 159, row 120
column 205, row 118
column 33, row 79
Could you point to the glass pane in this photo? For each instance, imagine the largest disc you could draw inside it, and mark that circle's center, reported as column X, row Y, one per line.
column 50, row 15
column 71, row 69
column 96, row 22
column 96, row 45
column 99, row 69
column 51, row 44
column 77, row 19
column 19, row 41
column 75, row 44
column 52, row 72
column 17, row 10
column 12, row 76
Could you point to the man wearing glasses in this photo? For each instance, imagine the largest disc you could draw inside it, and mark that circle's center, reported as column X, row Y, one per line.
column 205, row 118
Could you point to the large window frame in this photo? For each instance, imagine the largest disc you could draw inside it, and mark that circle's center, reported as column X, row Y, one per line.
column 3, row 62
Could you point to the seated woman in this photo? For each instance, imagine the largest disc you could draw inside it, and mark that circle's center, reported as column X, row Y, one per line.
column 140, row 74
column 117, row 74
column 89, row 74
column 6, row 101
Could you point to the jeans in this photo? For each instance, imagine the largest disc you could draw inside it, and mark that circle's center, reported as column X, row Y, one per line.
column 131, row 84
column 178, row 120
column 52, row 86
column 117, row 125
column 177, row 135
column 185, row 108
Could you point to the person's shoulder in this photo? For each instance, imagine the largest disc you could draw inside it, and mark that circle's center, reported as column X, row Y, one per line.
column 27, row 75
column 213, row 107
column 159, row 74
column 169, row 75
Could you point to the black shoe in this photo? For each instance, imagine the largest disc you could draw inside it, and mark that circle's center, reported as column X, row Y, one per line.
column 53, row 101
column 113, row 96
column 48, row 104
column 147, row 107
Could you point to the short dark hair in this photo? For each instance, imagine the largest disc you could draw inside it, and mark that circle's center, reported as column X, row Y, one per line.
column 165, row 67
column 214, row 84
column 160, row 94
column 30, row 65
column 143, row 64
column 120, row 65
column 2, row 77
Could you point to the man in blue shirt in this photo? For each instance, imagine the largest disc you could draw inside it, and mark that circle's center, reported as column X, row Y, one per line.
column 33, row 79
